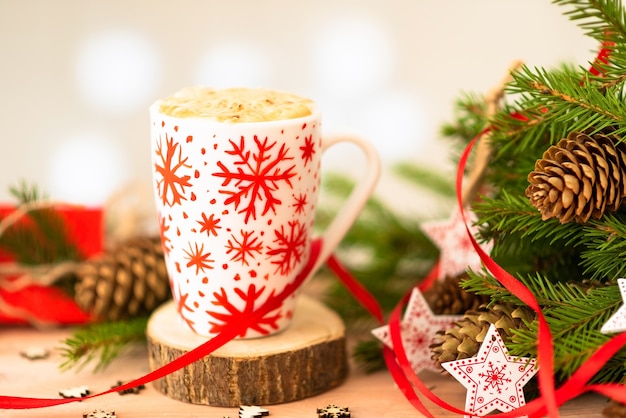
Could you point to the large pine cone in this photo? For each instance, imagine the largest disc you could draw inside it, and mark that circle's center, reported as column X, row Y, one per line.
column 581, row 177
column 447, row 297
column 463, row 340
column 128, row 281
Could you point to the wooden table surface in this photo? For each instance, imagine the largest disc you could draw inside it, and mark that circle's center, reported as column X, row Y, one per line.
column 373, row 395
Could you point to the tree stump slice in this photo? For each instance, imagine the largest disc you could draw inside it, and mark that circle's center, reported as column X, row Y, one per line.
column 307, row 358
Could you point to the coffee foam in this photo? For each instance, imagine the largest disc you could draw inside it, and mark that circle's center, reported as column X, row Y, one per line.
column 236, row 105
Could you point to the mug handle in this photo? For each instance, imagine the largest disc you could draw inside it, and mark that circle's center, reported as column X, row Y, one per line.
column 347, row 215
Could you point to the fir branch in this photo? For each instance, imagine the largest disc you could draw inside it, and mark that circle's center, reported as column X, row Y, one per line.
column 605, row 242
column 575, row 313
column 470, row 117
column 25, row 193
column 483, row 283
column 575, row 316
column 597, row 17
column 562, row 98
column 509, row 214
column 102, row 343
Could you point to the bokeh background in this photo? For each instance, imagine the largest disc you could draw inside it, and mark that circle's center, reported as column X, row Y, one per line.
column 77, row 76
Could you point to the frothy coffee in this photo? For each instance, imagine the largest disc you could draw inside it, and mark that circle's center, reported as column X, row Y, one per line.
column 236, row 105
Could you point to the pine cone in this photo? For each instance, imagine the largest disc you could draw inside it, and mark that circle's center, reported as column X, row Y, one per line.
column 447, row 297
column 581, row 177
column 464, row 339
column 127, row 281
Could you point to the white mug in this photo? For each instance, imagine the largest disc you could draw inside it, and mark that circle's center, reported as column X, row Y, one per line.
column 236, row 195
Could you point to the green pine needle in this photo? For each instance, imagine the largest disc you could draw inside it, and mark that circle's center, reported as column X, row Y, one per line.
column 41, row 237
column 101, row 343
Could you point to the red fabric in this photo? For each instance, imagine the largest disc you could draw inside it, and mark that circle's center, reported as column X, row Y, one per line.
column 45, row 304
column 40, row 304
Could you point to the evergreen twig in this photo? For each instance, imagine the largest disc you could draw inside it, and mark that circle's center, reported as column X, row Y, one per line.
column 41, row 236
column 101, row 343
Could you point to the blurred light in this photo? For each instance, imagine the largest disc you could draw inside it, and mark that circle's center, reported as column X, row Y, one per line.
column 234, row 64
column 117, row 70
column 352, row 56
column 87, row 169
column 395, row 123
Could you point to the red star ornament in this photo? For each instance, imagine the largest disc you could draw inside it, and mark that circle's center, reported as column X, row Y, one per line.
column 617, row 321
column 456, row 251
column 418, row 328
column 494, row 380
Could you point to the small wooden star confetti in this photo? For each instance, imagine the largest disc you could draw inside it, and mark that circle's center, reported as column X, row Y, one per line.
column 252, row 411
column 617, row 321
column 35, row 353
column 134, row 390
column 494, row 380
column 457, row 253
column 99, row 413
column 333, row 411
column 419, row 327
column 75, row 392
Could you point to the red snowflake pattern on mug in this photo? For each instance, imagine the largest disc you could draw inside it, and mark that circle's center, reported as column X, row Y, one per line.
column 165, row 240
column 290, row 245
column 209, row 225
column 299, row 204
column 196, row 257
column 245, row 247
column 233, row 314
column 182, row 307
column 171, row 184
column 308, row 149
column 256, row 175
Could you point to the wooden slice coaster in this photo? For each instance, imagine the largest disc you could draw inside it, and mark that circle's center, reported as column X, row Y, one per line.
column 306, row 359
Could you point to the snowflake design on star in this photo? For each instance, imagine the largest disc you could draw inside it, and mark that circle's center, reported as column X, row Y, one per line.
column 244, row 247
column 494, row 379
column 256, row 175
column 457, row 254
column 617, row 321
column 171, row 185
column 418, row 329
column 289, row 247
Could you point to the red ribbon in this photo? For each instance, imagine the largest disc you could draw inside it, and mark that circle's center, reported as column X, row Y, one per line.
column 14, row 402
